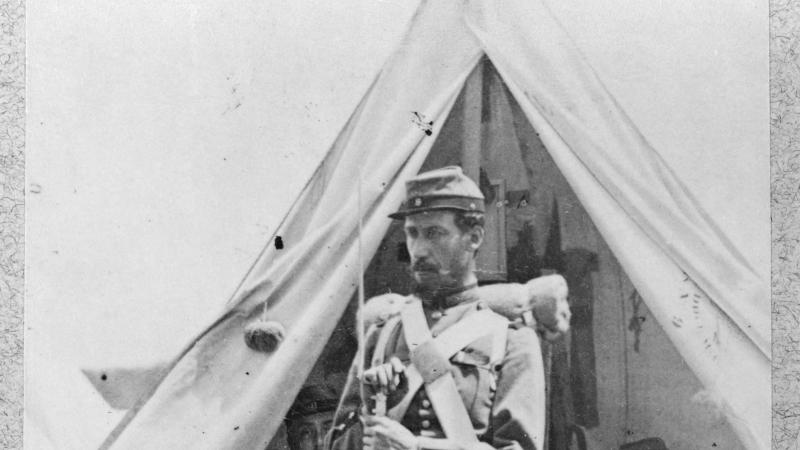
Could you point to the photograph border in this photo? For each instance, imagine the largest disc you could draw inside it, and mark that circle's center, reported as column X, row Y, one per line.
column 785, row 207
column 12, row 220
column 785, row 204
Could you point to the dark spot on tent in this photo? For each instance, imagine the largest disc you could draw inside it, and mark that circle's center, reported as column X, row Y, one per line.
column 36, row 188
column 278, row 243
column 247, row 373
column 103, row 377
column 424, row 125
column 235, row 428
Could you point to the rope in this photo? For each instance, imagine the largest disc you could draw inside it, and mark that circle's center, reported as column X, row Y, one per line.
column 626, row 377
column 360, row 315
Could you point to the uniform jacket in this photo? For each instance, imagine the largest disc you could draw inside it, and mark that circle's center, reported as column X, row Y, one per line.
column 505, row 401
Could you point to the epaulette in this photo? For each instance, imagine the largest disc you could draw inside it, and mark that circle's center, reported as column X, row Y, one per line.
column 381, row 308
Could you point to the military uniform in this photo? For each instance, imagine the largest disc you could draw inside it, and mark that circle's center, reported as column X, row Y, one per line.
column 505, row 400
column 498, row 371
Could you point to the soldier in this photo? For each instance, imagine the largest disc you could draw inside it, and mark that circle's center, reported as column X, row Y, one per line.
column 310, row 417
column 453, row 373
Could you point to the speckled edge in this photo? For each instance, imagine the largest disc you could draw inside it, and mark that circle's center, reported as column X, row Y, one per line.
column 12, row 219
column 785, row 205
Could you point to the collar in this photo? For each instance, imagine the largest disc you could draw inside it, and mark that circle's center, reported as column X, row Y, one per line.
column 447, row 298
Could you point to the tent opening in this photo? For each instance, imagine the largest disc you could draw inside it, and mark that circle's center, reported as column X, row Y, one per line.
column 616, row 378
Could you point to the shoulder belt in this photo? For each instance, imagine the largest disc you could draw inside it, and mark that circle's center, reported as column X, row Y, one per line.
column 430, row 364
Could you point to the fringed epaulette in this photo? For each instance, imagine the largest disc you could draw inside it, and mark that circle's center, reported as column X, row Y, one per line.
column 540, row 303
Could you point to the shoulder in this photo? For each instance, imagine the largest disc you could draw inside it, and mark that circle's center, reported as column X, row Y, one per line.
column 505, row 299
column 522, row 341
column 490, row 315
column 381, row 308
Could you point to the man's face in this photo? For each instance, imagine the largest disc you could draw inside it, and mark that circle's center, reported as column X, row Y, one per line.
column 308, row 432
column 440, row 252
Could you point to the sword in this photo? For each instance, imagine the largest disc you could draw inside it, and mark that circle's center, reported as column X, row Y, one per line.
column 380, row 397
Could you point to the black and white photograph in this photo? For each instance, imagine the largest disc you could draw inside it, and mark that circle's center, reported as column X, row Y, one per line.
column 385, row 224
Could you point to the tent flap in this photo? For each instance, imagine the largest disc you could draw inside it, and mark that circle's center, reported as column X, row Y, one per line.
column 221, row 394
column 710, row 303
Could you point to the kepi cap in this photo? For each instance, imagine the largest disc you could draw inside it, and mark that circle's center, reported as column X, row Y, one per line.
column 446, row 188
column 312, row 400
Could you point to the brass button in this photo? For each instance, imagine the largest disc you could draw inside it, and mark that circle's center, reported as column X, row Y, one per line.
column 426, row 403
column 436, row 315
column 425, row 413
column 425, row 424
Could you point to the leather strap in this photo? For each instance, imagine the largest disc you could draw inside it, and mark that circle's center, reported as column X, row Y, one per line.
column 442, row 390
column 453, row 339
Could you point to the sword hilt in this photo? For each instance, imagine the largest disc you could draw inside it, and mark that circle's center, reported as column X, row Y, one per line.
column 380, row 403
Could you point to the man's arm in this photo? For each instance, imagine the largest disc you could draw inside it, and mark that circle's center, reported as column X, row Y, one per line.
column 518, row 413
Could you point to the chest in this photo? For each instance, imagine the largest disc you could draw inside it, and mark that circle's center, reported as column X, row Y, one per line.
column 471, row 368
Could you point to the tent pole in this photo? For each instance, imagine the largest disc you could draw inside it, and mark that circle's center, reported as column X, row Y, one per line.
column 473, row 104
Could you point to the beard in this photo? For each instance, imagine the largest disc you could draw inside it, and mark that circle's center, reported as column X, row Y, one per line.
column 432, row 276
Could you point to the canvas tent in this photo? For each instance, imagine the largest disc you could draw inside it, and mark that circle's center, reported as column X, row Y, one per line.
column 589, row 167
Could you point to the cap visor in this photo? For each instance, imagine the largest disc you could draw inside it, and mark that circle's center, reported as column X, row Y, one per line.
column 402, row 214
